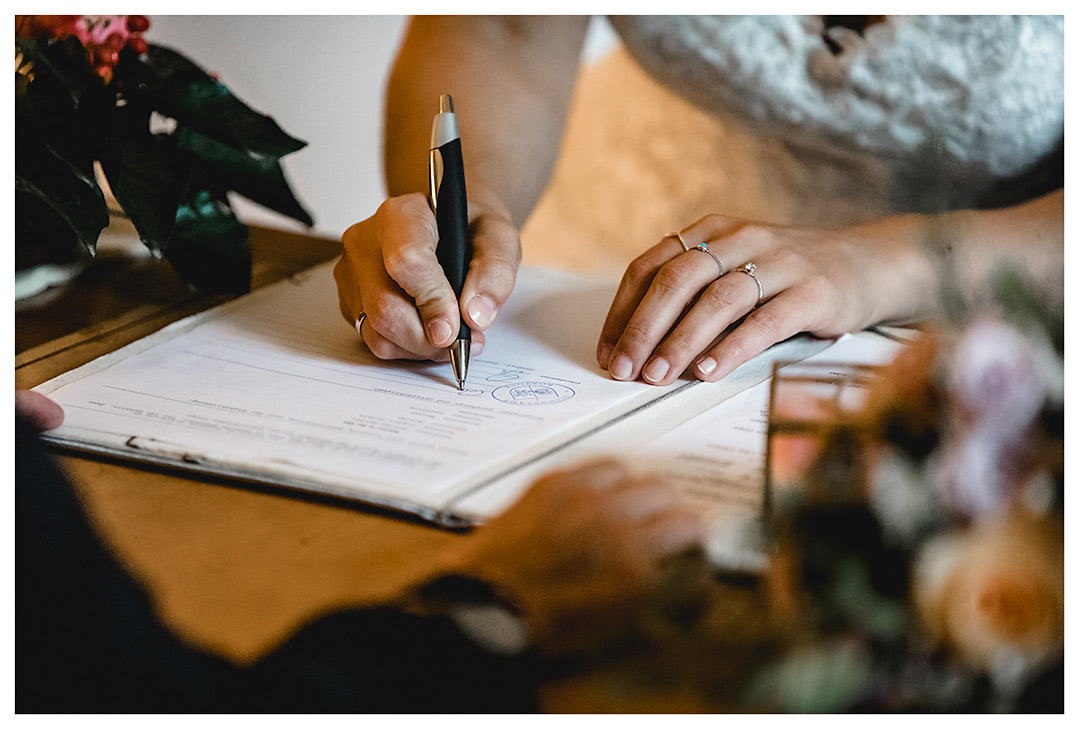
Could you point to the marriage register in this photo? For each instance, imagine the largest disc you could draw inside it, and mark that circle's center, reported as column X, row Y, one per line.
column 275, row 388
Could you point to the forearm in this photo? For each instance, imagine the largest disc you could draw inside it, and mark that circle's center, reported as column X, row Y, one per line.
column 932, row 261
column 511, row 78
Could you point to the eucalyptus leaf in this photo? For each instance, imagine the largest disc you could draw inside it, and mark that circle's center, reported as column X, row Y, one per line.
column 149, row 179
column 187, row 93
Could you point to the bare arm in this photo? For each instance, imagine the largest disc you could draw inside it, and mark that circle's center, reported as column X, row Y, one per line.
column 511, row 79
column 1028, row 237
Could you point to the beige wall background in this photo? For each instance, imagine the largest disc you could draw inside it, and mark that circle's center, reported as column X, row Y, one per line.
column 322, row 78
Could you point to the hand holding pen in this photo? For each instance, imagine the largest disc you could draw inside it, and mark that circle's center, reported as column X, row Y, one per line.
column 390, row 279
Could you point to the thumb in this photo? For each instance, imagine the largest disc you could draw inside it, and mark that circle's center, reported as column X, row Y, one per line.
column 409, row 240
column 493, row 271
column 39, row 410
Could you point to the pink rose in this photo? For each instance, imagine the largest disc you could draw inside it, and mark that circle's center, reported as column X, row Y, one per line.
column 995, row 595
column 996, row 378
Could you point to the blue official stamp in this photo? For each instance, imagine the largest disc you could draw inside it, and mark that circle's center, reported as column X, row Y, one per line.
column 533, row 394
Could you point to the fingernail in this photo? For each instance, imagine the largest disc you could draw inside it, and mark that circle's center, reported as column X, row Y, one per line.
column 482, row 310
column 439, row 330
column 604, row 356
column 621, row 368
column 655, row 371
column 706, row 365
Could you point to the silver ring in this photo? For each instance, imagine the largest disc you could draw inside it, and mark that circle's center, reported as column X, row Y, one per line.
column 749, row 269
column 360, row 323
column 676, row 234
column 719, row 263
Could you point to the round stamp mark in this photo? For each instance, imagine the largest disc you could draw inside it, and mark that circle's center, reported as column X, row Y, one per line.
column 533, row 394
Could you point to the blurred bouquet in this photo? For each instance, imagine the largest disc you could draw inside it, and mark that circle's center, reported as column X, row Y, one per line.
column 170, row 139
column 919, row 560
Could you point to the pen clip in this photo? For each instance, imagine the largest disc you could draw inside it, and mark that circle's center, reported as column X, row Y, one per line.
column 435, row 170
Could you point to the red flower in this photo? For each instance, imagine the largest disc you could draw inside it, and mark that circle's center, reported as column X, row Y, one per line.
column 103, row 36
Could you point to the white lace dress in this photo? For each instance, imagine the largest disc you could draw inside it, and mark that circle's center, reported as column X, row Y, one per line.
column 754, row 116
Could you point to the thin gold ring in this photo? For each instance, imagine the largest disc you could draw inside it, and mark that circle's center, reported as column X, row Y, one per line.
column 360, row 323
column 684, row 244
column 749, row 269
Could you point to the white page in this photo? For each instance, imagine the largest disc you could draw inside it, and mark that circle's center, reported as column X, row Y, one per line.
column 717, row 459
column 278, row 387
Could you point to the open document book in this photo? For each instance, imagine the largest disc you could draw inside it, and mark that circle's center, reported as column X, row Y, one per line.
column 274, row 388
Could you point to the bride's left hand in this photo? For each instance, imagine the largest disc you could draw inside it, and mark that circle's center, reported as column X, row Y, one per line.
column 674, row 310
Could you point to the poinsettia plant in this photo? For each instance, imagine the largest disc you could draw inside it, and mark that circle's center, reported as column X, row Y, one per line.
column 170, row 139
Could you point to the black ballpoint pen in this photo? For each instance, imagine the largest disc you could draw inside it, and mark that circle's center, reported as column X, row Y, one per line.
column 448, row 202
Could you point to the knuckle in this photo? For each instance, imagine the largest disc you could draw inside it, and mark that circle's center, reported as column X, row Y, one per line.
column 500, row 275
column 713, row 220
column 786, row 257
column 406, row 263
column 751, row 230
column 681, row 343
column 352, row 233
column 382, row 349
column 398, row 206
column 388, row 207
column 737, row 348
column 383, row 316
column 765, row 320
column 671, row 279
column 640, row 269
column 635, row 334
column 719, row 297
column 818, row 286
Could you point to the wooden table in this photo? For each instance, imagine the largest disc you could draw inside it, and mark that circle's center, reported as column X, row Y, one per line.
column 231, row 569
column 234, row 569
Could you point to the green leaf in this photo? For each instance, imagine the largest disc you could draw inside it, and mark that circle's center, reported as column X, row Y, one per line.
column 149, row 179
column 62, row 186
column 259, row 178
column 42, row 235
column 209, row 247
column 45, row 109
column 66, row 60
column 185, row 92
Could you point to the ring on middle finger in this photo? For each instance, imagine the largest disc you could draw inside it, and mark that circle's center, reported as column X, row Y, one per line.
column 705, row 247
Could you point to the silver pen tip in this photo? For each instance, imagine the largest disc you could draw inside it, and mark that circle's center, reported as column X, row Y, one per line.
column 446, row 104
column 461, row 385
